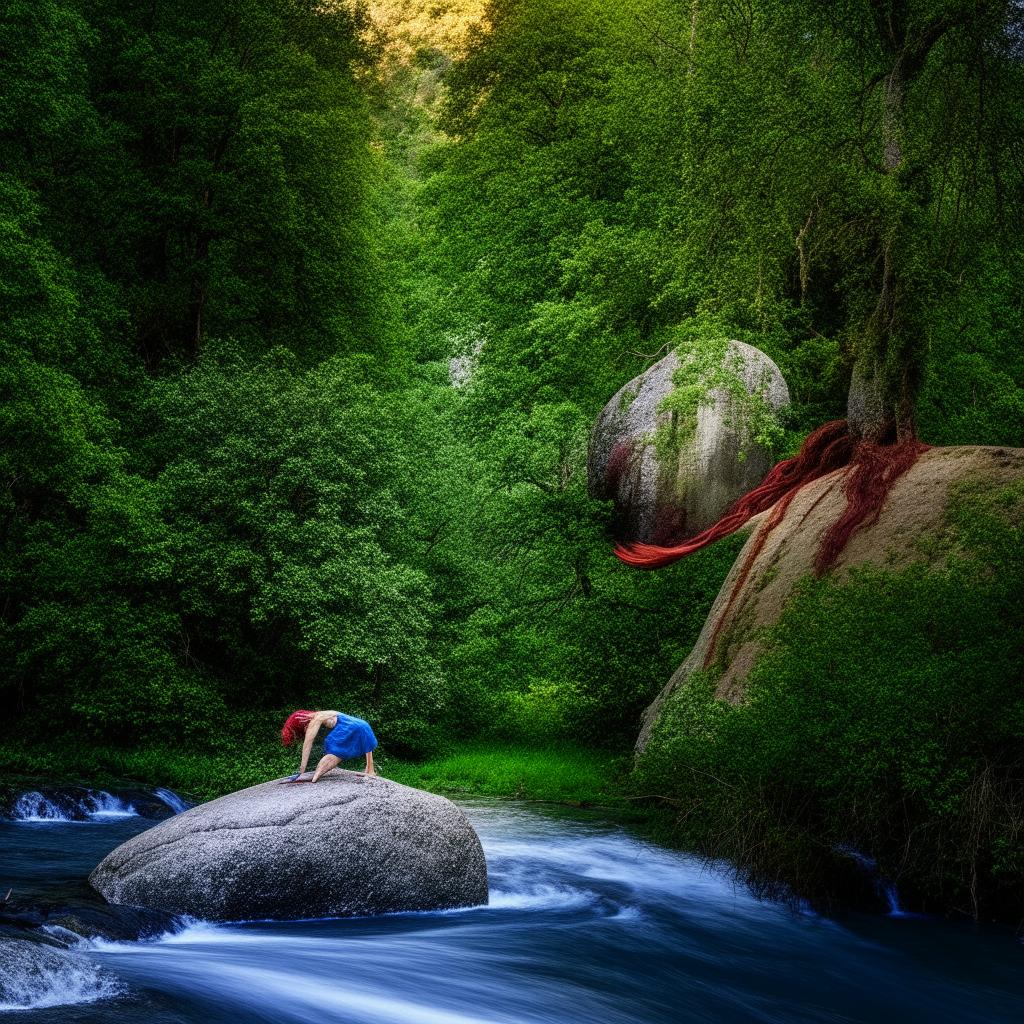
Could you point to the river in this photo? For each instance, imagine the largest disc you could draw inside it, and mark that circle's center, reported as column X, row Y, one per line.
column 587, row 924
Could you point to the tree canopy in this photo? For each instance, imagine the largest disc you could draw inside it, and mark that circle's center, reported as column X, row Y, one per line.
column 307, row 312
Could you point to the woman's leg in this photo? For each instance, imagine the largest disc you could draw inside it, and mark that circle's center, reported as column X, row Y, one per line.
column 326, row 763
column 369, row 763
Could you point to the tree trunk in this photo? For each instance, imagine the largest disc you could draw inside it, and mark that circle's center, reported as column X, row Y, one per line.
column 883, row 388
column 880, row 403
column 892, row 118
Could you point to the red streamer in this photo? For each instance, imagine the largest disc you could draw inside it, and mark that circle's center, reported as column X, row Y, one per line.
column 826, row 449
column 874, row 470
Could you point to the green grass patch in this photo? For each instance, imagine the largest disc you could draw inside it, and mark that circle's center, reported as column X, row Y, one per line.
column 559, row 774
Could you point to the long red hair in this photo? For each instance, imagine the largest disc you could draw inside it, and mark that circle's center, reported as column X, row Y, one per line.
column 294, row 727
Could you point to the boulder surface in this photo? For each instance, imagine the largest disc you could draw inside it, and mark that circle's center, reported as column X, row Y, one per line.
column 348, row 845
column 659, row 500
column 909, row 528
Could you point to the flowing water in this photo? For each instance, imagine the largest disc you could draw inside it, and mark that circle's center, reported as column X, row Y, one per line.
column 586, row 923
column 37, row 807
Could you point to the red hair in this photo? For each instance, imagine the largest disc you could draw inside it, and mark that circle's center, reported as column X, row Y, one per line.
column 295, row 726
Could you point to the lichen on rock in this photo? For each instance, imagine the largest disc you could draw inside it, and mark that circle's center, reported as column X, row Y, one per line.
column 677, row 445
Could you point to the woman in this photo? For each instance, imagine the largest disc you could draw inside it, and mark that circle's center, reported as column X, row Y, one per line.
column 348, row 737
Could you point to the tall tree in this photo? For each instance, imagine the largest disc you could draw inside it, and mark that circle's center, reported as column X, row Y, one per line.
column 915, row 52
column 236, row 203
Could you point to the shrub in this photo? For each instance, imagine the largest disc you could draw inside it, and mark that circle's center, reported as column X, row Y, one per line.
column 885, row 714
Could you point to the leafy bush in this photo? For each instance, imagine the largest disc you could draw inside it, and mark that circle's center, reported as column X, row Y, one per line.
column 885, row 714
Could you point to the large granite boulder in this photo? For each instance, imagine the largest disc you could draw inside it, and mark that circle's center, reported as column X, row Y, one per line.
column 347, row 845
column 659, row 500
column 773, row 563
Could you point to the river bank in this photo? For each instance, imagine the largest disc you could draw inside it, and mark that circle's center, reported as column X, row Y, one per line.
column 565, row 777
column 559, row 774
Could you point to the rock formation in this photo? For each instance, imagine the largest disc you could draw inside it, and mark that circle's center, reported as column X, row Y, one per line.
column 774, row 560
column 345, row 846
column 660, row 500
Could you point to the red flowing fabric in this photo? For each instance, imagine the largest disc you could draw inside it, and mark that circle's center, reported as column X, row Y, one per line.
column 827, row 448
column 874, row 469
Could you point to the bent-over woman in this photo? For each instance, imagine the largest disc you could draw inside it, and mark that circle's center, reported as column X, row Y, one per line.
column 348, row 737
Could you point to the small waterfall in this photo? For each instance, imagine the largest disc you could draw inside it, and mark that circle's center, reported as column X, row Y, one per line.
column 35, row 807
column 35, row 976
column 90, row 805
column 892, row 897
column 885, row 888
column 106, row 805
column 172, row 800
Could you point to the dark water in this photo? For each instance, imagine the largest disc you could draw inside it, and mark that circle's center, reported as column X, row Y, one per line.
column 586, row 924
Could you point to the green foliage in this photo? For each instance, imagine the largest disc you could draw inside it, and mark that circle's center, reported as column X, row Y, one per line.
column 544, row 635
column 281, row 491
column 240, row 243
column 558, row 774
column 189, row 770
column 233, row 203
column 627, row 171
column 178, row 183
column 972, row 393
column 708, row 367
column 884, row 714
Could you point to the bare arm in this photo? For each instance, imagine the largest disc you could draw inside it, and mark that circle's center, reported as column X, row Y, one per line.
column 307, row 744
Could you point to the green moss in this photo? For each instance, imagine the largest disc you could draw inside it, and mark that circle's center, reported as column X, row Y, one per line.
column 707, row 366
column 628, row 398
column 767, row 576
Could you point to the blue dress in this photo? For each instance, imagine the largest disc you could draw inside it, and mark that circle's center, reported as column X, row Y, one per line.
column 351, row 737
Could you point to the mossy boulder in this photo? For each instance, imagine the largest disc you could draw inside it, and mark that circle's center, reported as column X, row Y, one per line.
column 910, row 527
column 671, row 479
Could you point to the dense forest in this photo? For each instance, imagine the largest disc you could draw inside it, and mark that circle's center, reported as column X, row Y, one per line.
column 308, row 310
